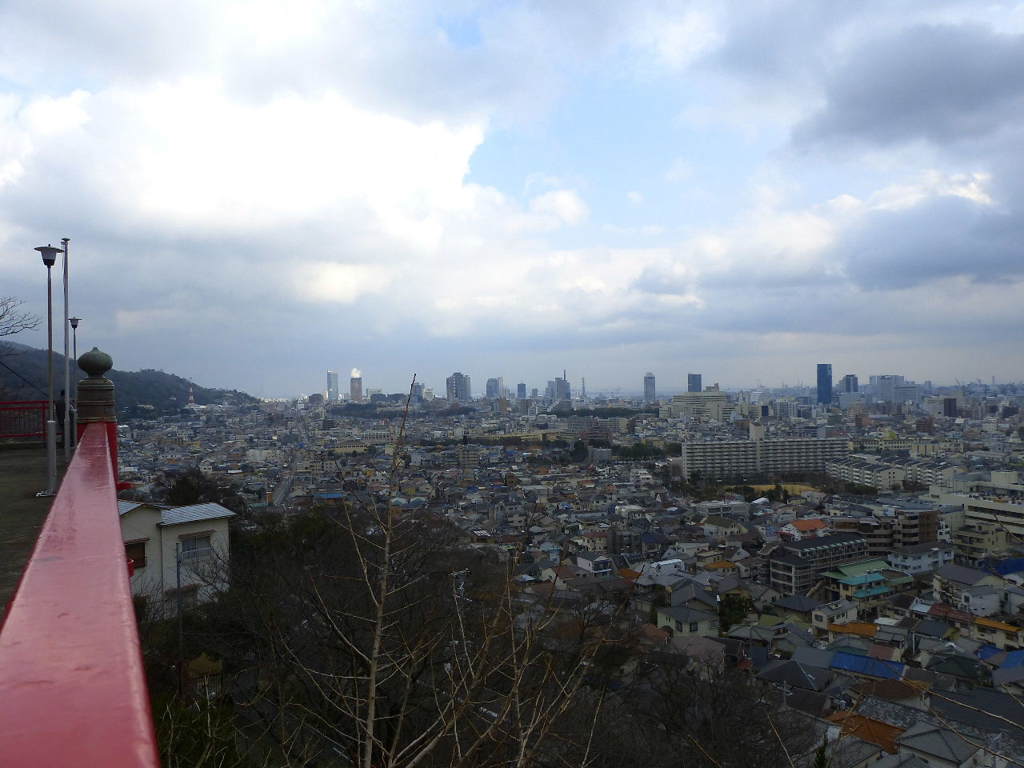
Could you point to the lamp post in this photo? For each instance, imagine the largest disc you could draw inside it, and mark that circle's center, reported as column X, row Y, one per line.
column 74, row 335
column 73, row 428
column 49, row 254
column 68, row 432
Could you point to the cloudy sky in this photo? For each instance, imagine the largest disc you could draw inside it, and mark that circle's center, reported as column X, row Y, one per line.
column 257, row 191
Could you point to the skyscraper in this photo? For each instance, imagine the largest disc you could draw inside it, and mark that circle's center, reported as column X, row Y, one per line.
column 332, row 386
column 824, row 383
column 693, row 382
column 649, row 391
column 493, row 388
column 521, row 391
column 355, row 386
column 849, row 383
column 457, row 388
column 884, row 386
column 563, row 391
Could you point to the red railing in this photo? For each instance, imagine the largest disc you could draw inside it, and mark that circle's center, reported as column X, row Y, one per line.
column 23, row 418
column 72, row 685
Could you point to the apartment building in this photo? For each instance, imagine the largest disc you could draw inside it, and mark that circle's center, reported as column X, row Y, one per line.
column 893, row 527
column 866, row 471
column 921, row 558
column 998, row 499
column 977, row 541
column 795, row 567
column 745, row 458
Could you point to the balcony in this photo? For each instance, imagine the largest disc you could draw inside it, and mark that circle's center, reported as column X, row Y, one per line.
column 72, row 687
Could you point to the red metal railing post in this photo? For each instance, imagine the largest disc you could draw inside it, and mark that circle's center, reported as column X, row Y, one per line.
column 96, row 403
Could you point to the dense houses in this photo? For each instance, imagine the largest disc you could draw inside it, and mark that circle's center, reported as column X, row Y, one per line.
column 864, row 564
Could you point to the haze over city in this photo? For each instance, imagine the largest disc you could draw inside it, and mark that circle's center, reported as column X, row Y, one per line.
column 258, row 192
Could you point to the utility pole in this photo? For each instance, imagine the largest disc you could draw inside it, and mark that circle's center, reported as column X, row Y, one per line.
column 181, row 631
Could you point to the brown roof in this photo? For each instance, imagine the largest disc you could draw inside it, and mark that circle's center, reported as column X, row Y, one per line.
column 867, row 729
column 859, row 628
column 891, row 690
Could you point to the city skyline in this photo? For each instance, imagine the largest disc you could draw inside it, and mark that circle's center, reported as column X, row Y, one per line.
column 494, row 386
column 521, row 188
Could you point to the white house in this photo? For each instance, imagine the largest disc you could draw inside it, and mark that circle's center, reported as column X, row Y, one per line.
column 152, row 535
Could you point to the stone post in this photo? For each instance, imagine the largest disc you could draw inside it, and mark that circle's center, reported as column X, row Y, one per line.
column 96, row 400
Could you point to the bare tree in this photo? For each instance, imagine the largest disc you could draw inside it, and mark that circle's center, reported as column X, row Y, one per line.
column 369, row 635
column 12, row 319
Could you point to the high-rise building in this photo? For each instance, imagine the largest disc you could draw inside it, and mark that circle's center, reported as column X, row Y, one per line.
column 332, row 386
column 493, row 388
column 649, row 391
column 355, row 386
column 848, row 383
column 693, row 382
column 458, row 388
column 949, row 407
column 824, row 383
column 884, row 386
column 521, row 391
column 563, row 391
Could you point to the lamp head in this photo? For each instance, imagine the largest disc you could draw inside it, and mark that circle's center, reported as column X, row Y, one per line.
column 74, row 321
column 49, row 254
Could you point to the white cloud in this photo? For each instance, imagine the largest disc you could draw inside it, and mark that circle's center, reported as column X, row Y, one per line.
column 636, row 198
column 564, row 204
column 339, row 283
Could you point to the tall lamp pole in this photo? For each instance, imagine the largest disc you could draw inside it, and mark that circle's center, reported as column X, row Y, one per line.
column 49, row 254
column 74, row 335
column 68, row 432
column 73, row 428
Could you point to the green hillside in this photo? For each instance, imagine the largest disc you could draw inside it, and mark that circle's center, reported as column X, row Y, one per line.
column 139, row 393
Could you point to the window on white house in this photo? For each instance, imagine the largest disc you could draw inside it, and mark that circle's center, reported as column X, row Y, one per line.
column 196, row 547
column 136, row 551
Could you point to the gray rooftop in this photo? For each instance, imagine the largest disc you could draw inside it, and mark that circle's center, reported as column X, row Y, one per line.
column 940, row 742
column 177, row 515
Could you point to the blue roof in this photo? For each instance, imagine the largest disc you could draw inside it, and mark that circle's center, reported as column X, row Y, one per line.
column 1011, row 659
column 871, row 591
column 1003, row 566
column 329, row 495
column 865, row 665
column 987, row 652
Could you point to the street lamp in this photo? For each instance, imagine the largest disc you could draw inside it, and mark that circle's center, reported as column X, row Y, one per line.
column 49, row 254
column 74, row 335
column 73, row 428
column 68, row 435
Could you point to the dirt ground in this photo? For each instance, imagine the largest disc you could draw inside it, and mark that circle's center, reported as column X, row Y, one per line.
column 793, row 488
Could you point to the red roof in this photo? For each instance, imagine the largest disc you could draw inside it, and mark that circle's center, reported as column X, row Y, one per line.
column 809, row 524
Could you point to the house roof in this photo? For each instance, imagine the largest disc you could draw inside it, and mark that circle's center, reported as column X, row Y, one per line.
column 796, row 674
column 890, row 690
column 813, row 657
column 808, row 524
column 194, row 513
column 859, row 628
column 981, row 708
column 940, row 742
column 685, row 615
column 798, row 603
column 865, row 665
column 960, row 574
column 868, row 729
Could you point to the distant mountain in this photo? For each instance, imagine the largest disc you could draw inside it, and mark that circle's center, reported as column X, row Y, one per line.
column 138, row 393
